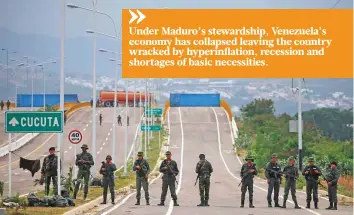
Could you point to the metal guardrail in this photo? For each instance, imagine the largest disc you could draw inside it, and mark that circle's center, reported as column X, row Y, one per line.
column 17, row 144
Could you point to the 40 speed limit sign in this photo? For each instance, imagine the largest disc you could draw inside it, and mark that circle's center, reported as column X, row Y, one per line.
column 75, row 136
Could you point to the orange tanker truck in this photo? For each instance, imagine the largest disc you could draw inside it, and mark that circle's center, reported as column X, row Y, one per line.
column 107, row 98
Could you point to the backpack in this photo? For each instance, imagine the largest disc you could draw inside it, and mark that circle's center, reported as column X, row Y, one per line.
column 33, row 200
column 60, row 201
column 96, row 182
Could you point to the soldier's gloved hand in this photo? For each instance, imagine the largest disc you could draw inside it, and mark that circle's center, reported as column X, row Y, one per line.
column 103, row 169
column 268, row 182
column 251, row 170
column 307, row 172
column 146, row 176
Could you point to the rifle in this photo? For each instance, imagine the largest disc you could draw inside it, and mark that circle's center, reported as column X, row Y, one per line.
column 199, row 173
column 171, row 169
column 141, row 168
column 247, row 173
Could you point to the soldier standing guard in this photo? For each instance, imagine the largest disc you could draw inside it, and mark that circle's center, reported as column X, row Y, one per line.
column 204, row 169
column 311, row 173
column 107, row 170
column 291, row 175
column 332, row 180
column 248, row 171
column 170, row 170
column 84, row 161
column 273, row 175
column 49, row 171
column 142, row 169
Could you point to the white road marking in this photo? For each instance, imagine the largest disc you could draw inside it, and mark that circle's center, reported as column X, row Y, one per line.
column 109, row 133
column 87, row 125
column 227, row 168
column 70, row 147
column 104, row 143
column 84, row 129
column 170, row 208
column 106, row 138
column 65, row 152
column 101, row 148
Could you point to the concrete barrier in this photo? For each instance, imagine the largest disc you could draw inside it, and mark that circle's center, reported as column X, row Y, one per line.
column 234, row 128
column 17, row 144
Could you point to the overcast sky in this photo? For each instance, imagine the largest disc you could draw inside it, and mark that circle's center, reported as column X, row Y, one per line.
column 43, row 16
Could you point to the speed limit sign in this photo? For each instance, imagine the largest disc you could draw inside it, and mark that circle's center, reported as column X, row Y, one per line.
column 75, row 136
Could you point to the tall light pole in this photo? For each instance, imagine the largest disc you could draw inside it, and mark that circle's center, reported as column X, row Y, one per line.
column 126, row 129
column 299, row 124
column 145, row 126
column 94, row 72
column 7, row 64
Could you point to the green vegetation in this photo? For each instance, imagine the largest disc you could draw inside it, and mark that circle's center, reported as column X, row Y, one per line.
column 261, row 133
column 94, row 192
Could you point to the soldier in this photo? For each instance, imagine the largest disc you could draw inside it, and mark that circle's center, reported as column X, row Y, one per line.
column 100, row 119
column 291, row 175
column 8, row 104
column 332, row 180
column 2, row 105
column 49, row 171
column 311, row 173
column 107, row 170
column 91, row 102
column 119, row 119
column 127, row 120
column 142, row 169
column 170, row 170
column 248, row 171
column 84, row 161
column 65, row 118
column 204, row 170
column 273, row 175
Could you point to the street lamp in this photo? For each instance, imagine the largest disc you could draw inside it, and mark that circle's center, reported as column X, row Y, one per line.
column 7, row 63
column 72, row 6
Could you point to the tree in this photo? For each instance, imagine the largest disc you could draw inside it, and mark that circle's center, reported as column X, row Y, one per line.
column 258, row 107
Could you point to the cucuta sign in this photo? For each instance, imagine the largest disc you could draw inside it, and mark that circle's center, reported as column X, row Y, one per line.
column 33, row 122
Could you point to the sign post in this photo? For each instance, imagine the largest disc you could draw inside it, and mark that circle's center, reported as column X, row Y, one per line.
column 31, row 122
column 75, row 138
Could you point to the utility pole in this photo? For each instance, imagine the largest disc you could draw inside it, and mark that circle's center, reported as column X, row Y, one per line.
column 145, row 111
column 299, row 124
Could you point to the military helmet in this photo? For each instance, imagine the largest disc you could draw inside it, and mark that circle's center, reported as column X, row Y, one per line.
column 84, row 146
column 274, row 155
column 168, row 153
column 52, row 148
column 249, row 157
column 311, row 159
column 140, row 153
column 291, row 158
column 108, row 157
column 201, row 156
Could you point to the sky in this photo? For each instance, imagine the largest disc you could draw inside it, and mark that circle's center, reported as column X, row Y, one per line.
column 44, row 16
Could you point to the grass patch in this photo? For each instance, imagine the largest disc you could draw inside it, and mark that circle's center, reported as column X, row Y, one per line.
column 95, row 192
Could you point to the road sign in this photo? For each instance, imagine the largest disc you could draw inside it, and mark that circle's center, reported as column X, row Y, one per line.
column 150, row 128
column 33, row 122
column 153, row 111
column 75, row 137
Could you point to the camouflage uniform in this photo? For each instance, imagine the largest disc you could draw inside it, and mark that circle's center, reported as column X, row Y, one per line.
column 142, row 178
column 204, row 170
column 247, row 181
column 2, row 105
column 50, row 171
column 84, row 170
column 333, row 177
column 311, row 182
column 108, row 179
column 273, row 174
column 169, row 179
column 291, row 174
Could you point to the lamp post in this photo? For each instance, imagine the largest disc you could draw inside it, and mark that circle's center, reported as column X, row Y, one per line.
column 7, row 63
column 94, row 73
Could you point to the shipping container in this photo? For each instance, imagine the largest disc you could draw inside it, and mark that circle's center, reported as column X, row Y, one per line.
column 194, row 100
column 25, row 100
column 107, row 97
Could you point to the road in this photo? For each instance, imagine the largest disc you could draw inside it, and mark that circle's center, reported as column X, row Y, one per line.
column 207, row 130
column 37, row 148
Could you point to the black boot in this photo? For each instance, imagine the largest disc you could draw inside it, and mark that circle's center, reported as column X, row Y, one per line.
column 316, row 205
column 284, row 204
column 269, row 204
column 242, row 203
column 296, row 205
column 202, row 203
column 330, row 206
column 162, row 203
column 147, row 202
column 137, row 202
column 277, row 205
column 251, row 204
column 112, row 198
column 206, row 203
column 334, row 207
column 175, row 203
column 85, row 196
column 308, row 205
column 104, row 201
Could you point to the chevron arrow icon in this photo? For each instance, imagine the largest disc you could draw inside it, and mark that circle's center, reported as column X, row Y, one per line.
column 134, row 17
